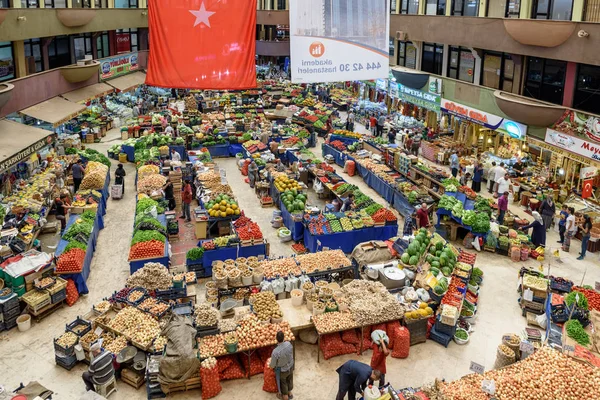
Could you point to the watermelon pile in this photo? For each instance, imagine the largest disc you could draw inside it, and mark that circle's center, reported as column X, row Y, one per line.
column 293, row 200
column 416, row 248
column 441, row 259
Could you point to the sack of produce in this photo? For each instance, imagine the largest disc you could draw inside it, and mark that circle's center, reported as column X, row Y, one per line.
column 234, row 371
column 505, row 356
column 270, row 381
column 309, row 336
column 332, row 345
column 513, row 341
column 350, row 336
column 401, row 339
column 367, row 339
column 256, row 365
column 379, row 334
column 265, row 353
column 224, row 362
column 72, row 293
column 390, row 329
column 209, row 375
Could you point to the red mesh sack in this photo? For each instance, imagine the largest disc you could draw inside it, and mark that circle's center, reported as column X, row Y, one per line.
column 367, row 343
column 332, row 345
column 256, row 365
column 211, row 384
column 72, row 293
column 350, row 336
column 270, row 381
column 224, row 362
column 430, row 323
column 234, row 371
column 401, row 342
column 265, row 353
column 391, row 330
column 379, row 327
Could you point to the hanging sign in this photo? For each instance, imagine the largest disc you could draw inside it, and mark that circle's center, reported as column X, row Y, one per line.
column 588, row 172
column 573, row 144
column 514, row 129
column 429, row 101
column 123, row 43
column 118, row 65
column 339, row 42
column 24, row 154
column 579, row 124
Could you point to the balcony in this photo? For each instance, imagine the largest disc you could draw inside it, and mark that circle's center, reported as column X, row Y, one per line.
column 541, row 38
column 22, row 24
column 272, row 48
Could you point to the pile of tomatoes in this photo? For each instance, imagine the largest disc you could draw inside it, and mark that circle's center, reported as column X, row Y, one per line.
column 149, row 249
column 71, row 261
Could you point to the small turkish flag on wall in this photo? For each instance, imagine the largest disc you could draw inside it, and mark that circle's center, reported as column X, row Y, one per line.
column 202, row 44
column 588, row 188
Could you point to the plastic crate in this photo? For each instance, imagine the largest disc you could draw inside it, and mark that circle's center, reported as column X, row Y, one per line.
column 59, row 285
column 10, row 304
column 85, row 326
column 439, row 337
column 443, row 328
column 58, row 297
column 183, row 308
column 34, row 302
column 66, row 362
column 10, row 323
column 138, row 301
column 67, row 351
column 172, row 293
column 13, row 312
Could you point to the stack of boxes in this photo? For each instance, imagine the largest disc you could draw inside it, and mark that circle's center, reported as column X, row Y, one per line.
column 176, row 179
column 9, row 312
column 402, row 162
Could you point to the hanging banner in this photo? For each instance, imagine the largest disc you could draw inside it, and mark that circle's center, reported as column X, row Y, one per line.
column 587, row 189
column 118, row 65
column 514, row 129
column 25, row 153
column 573, row 144
column 123, row 43
column 339, row 40
column 578, row 124
column 588, row 172
column 419, row 98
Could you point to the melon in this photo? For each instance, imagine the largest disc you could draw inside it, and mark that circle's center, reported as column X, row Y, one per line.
column 429, row 258
column 434, row 271
column 435, row 264
column 443, row 260
column 413, row 260
column 438, row 253
column 432, row 250
column 446, row 271
column 439, row 246
column 405, row 258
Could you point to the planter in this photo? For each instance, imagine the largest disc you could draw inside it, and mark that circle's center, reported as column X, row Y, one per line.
column 80, row 73
column 541, row 33
column 73, row 18
column 5, row 91
column 526, row 110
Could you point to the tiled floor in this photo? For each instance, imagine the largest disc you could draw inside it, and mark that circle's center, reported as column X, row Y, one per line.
column 30, row 356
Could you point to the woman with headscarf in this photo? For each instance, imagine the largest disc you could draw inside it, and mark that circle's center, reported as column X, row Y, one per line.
column 120, row 176
column 586, row 230
column 538, row 234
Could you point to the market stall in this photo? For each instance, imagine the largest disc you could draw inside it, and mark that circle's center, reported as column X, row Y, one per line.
column 127, row 82
column 55, row 111
column 88, row 93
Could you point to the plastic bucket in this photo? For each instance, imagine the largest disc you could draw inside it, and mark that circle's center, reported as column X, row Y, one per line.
column 318, row 311
column 231, row 348
column 258, row 277
column 247, row 280
column 297, row 297
column 24, row 322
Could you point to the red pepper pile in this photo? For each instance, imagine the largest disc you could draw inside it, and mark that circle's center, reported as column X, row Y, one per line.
column 299, row 248
column 249, row 231
column 71, row 261
column 382, row 215
column 593, row 297
column 149, row 249
column 467, row 258
column 338, row 144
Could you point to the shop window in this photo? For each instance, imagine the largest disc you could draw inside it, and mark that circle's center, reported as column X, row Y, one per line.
column 101, row 3
column 393, row 4
column 503, row 8
column 55, row 3
column 4, row 4
column 126, row 4
column 552, row 9
column 82, row 3
column 127, row 40
column 33, row 56
column 407, row 55
column 59, row 52
column 30, row 4
column 461, row 64
column 102, row 46
column 545, row 79
column 466, row 8
column 281, row 5
column 435, row 7
column 7, row 61
column 498, row 71
column 433, row 54
column 409, row 7
column 82, row 46
column 592, row 11
column 587, row 90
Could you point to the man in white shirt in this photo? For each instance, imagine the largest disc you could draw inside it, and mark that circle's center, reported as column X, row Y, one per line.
column 498, row 173
column 571, row 229
column 175, row 156
column 503, row 184
column 169, row 130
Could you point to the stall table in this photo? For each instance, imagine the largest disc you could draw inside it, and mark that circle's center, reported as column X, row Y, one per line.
column 134, row 265
column 230, row 252
column 346, row 241
column 219, row 150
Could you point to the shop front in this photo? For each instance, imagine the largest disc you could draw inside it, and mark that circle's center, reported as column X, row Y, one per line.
column 417, row 109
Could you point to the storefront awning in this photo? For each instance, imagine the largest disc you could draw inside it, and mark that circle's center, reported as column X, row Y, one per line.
column 56, row 111
column 30, row 140
column 88, row 93
column 128, row 82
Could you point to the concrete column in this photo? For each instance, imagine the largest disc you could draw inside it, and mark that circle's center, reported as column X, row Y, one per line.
column 111, row 3
column 477, row 67
column 525, row 10
column 482, row 8
column 570, row 82
column 112, row 42
column 69, row 3
column 578, row 7
column 419, row 56
column 448, row 8
column 19, row 54
column 422, row 7
column 445, row 60
column 44, row 43
column 15, row 3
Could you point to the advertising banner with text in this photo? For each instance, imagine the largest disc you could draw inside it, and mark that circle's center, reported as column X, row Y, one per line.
column 573, row 144
column 341, row 41
column 118, row 65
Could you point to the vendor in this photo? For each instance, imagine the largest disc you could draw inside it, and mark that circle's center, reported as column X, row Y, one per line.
column 337, row 205
column 169, row 195
column 175, row 156
column 410, row 224
column 518, row 167
column 252, row 173
column 348, row 203
column 423, row 217
column 538, row 235
column 477, row 176
column 353, row 378
column 282, row 360
column 280, row 167
column 101, row 369
column 329, row 124
column 78, row 173
column 454, row 163
column 392, row 136
column 61, row 210
column 264, row 137
column 465, row 178
column 169, row 130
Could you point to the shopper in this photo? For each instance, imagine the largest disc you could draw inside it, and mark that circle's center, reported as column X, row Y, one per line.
column 282, row 361
column 373, row 124
column 502, row 207
column 350, row 121
column 416, row 144
column 252, row 173
column 61, row 211
column 378, row 361
column 498, row 173
column 538, row 234
column 586, row 231
column 491, row 177
column 548, row 209
column 570, row 229
column 423, row 217
column 175, row 156
column 564, row 213
column 503, row 184
column 380, row 122
column 454, row 164
column 353, row 377
column 101, row 368
column 78, row 174
column 186, row 200
column 465, row 178
column 264, row 137
column 329, row 125
column 477, row 176
column 410, row 224
column 408, row 144
column 348, row 203
column 135, row 111
column 392, row 136
column 169, row 195
column 120, row 176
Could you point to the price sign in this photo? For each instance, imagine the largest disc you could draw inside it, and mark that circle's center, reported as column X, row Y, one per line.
column 98, row 331
column 477, row 368
column 526, row 347
column 528, row 294
column 568, row 348
column 488, row 386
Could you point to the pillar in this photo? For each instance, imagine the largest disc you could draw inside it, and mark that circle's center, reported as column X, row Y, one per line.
column 19, row 59
column 483, row 8
column 578, row 7
column 112, row 42
column 477, row 68
column 449, row 4
column 525, row 10
column 111, row 3
column 69, row 3
column 445, row 59
column 570, row 82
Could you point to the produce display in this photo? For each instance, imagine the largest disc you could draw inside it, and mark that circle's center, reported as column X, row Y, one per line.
column 95, row 176
column 222, row 206
column 150, row 184
column 307, row 263
column 195, row 254
column 205, row 315
column 151, row 276
column 576, row 332
column 334, row 322
column 147, row 250
column 265, row 306
column 417, row 248
column 370, row 303
column 102, row 306
column 67, row 340
column 246, row 229
column 577, row 298
column 70, row 262
column 136, row 325
column 592, row 297
column 153, row 306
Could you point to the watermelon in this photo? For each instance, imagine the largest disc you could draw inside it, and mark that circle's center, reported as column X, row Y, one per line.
column 421, row 237
column 434, row 271
column 438, row 253
column 443, row 260
column 423, row 248
column 435, row 264
column 405, row 258
column 294, row 192
column 426, row 241
column 432, row 250
column 413, row 260
column 412, row 249
column 439, row 246
column 429, row 258
column 417, row 242
column 423, row 231
column 446, row 271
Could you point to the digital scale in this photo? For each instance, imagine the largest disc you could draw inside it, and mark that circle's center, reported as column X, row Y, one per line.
column 387, row 273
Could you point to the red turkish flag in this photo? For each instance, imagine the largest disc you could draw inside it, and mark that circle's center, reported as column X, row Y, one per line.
column 202, row 44
column 588, row 188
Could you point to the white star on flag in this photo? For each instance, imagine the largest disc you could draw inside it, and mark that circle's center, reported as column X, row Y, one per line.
column 202, row 16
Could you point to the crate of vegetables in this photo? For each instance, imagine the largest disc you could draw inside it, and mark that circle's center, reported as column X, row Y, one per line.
column 58, row 297
column 172, row 293
column 194, row 256
column 36, row 299
column 70, row 262
column 65, row 344
column 59, row 285
column 79, row 327
column 136, row 296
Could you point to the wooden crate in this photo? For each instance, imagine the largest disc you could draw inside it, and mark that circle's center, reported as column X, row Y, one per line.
column 132, row 378
column 192, row 383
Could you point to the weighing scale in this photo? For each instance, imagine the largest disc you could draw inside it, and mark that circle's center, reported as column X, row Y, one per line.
column 387, row 273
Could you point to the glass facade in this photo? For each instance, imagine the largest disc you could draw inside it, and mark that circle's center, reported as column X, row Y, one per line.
column 498, row 71
column 552, row 9
column 82, row 45
column 409, row 6
column 545, row 79
column 587, row 89
column 461, row 64
column 435, row 7
column 466, row 8
column 503, row 8
column 55, row 3
column 407, row 55
column 7, row 61
column 126, row 4
column 433, row 55
column 59, row 52
column 102, row 46
column 33, row 56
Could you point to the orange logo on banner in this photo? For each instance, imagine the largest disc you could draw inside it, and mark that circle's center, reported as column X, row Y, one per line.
column 316, row 49
column 588, row 188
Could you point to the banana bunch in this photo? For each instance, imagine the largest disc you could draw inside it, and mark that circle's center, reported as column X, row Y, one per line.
column 27, row 228
column 540, row 250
